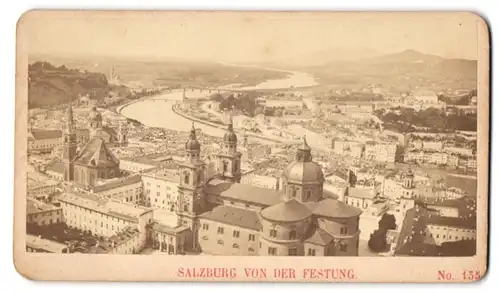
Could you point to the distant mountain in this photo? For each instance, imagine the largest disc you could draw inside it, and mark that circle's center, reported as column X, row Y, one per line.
column 401, row 70
column 325, row 56
column 407, row 56
column 50, row 85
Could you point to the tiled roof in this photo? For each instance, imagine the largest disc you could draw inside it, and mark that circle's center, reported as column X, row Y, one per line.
column 46, row 133
column 333, row 208
column 104, row 205
column 159, row 227
column 233, row 216
column 118, row 182
column 411, row 237
column 289, row 211
column 452, row 222
column 243, row 192
column 96, row 153
column 33, row 241
column 35, row 206
column 320, row 237
column 360, row 193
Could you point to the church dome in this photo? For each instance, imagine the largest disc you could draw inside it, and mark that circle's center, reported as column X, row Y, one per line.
column 303, row 170
column 193, row 144
column 95, row 115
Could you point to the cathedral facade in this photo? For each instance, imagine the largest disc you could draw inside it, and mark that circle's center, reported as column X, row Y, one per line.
column 230, row 218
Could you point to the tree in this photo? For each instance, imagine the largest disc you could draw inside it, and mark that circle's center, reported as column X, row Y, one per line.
column 378, row 242
column 387, row 222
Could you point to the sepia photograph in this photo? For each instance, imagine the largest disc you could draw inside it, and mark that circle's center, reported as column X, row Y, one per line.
column 335, row 137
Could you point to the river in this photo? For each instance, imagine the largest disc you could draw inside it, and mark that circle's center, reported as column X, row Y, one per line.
column 159, row 113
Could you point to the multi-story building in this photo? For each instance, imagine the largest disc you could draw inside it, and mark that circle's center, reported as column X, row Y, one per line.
column 49, row 140
column 42, row 214
column 37, row 188
column 125, row 189
column 380, row 152
column 297, row 220
column 43, row 140
column 102, row 216
column 348, row 148
column 147, row 163
column 160, row 189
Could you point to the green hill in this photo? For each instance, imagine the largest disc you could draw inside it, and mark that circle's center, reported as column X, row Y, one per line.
column 49, row 85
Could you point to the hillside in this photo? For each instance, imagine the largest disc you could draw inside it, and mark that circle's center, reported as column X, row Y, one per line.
column 400, row 71
column 49, row 85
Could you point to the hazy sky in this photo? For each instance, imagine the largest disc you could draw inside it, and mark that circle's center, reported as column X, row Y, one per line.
column 247, row 37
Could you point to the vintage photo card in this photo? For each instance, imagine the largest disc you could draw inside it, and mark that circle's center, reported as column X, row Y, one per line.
column 252, row 146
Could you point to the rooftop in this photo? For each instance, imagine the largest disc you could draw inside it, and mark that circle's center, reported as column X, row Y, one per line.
column 116, row 182
column 46, row 133
column 333, row 208
column 234, row 216
column 34, row 206
column 320, row 237
column 289, row 211
column 360, row 193
column 96, row 153
column 160, row 227
column 35, row 242
column 243, row 192
column 152, row 159
column 163, row 174
column 104, row 205
column 116, row 240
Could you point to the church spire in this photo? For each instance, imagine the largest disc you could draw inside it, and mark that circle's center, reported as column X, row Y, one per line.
column 304, row 151
column 69, row 118
column 192, row 135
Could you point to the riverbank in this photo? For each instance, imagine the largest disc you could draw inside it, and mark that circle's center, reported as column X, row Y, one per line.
column 179, row 112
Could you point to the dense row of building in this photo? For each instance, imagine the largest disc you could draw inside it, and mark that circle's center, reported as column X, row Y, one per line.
column 214, row 215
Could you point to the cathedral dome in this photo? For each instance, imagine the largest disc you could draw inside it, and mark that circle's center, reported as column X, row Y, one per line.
column 95, row 115
column 193, row 144
column 303, row 170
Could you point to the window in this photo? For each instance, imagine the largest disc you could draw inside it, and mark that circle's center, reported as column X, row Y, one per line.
column 205, row 226
column 220, row 230
column 251, row 237
column 343, row 231
column 273, row 233
column 311, row 252
column 292, row 235
column 220, row 242
column 186, row 178
column 236, row 245
column 185, row 207
column 250, row 249
column 236, row 234
column 343, row 247
column 205, row 238
column 292, row 251
column 271, row 250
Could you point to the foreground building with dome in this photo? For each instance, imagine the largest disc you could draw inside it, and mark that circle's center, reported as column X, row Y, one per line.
column 216, row 215
column 240, row 219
